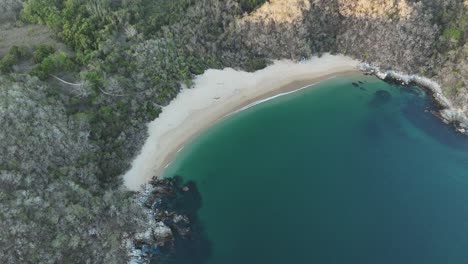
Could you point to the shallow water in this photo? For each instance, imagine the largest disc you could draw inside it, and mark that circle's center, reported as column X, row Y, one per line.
column 332, row 174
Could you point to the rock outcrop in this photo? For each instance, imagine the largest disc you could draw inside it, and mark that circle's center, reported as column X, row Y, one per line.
column 171, row 207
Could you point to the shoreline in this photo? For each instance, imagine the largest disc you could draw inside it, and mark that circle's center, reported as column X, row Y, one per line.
column 261, row 99
column 446, row 111
column 218, row 94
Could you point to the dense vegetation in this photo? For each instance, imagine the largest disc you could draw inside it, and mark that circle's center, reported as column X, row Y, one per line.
column 72, row 119
column 53, row 210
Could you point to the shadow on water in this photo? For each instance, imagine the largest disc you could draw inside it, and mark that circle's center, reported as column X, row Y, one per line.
column 192, row 247
column 418, row 110
column 382, row 119
column 420, row 114
column 380, row 98
column 375, row 127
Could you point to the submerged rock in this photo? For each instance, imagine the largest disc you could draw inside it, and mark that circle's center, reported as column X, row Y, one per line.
column 380, row 97
column 181, row 224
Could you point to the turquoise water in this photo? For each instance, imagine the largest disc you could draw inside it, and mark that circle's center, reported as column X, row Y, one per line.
column 332, row 174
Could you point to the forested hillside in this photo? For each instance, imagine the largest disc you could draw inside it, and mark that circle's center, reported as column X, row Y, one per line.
column 85, row 76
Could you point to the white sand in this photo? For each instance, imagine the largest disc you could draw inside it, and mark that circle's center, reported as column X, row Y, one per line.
column 216, row 94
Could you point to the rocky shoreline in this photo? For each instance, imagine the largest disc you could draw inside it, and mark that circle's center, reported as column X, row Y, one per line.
column 447, row 112
column 173, row 234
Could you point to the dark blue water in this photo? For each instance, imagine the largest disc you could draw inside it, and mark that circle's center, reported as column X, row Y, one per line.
column 332, row 174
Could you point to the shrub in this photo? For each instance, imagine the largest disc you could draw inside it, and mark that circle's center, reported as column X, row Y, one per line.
column 41, row 52
column 255, row 64
column 452, row 33
column 14, row 55
column 54, row 63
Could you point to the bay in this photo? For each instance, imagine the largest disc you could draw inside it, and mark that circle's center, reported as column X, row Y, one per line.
column 336, row 173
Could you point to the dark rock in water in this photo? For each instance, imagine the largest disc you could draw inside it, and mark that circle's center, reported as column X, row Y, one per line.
column 176, row 234
column 355, row 84
column 380, row 97
column 362, row 88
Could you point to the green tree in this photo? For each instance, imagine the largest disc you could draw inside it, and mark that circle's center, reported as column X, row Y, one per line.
column 13, row 57
column 54, row 63
column 41, row 52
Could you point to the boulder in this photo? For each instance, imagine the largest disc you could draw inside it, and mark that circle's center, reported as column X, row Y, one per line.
column 162, row 234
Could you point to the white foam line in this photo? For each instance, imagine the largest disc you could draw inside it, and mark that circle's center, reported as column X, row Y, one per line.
column 275, row 96
column 180, row 149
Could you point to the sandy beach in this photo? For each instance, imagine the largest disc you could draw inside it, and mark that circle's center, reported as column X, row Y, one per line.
column 216, row 94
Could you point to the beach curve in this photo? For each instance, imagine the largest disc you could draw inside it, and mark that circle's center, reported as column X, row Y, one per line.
column 215, row 95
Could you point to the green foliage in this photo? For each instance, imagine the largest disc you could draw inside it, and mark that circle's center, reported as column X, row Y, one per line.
column 40, row 52
column 105, row 112
column 150, row 16
column 454, row 23
column 41, row 12
column 7, row 63
column 13, row 57
column 52, row 209
column 19, row 51
column 84, row 24
column 152, row 111
column 52, row 64
column 255, row 64
column 452, row 33
column 95, row 79
column 80, row 24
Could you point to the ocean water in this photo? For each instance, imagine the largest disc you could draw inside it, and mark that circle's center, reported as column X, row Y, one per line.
column 336, row 173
